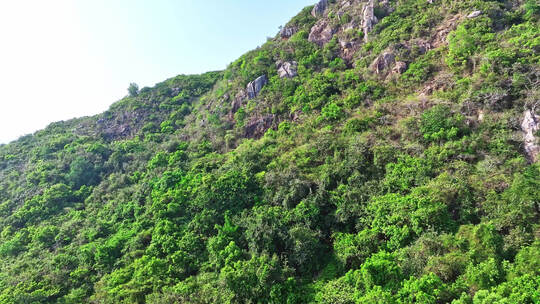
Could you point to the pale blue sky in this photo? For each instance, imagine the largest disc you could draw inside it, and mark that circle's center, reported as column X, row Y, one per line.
column 62, row 59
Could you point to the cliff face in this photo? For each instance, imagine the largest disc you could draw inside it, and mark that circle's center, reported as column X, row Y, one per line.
column 371, row 151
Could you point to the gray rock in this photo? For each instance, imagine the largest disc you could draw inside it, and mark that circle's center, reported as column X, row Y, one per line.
column 319, row 8
column 287, row 32
column 529, row 126
column 254, row 87
column 369, row 19
column 321, row 33
column 474, row 14
column 287, row 69
column 383, row 62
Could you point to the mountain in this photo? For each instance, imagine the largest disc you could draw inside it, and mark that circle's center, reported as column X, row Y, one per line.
column 370, row 152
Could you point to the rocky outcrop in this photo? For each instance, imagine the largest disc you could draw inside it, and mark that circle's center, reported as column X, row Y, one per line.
column 530, row 126
column 287, row 32
column 121, row 125
column 254, row 87
column 348, row 48
column 321, row 33
column 319, row 8
column 382, row 63
column 256, row 127
column 238, row 100
column 443, row 30
column 346, row 4
column 421, row 46
column 288, row 69
column 368, row 19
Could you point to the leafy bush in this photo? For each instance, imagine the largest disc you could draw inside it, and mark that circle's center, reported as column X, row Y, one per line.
column 465, row 41
column 438, row 124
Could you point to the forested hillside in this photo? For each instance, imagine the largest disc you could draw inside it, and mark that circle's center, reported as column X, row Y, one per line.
column 373, row 151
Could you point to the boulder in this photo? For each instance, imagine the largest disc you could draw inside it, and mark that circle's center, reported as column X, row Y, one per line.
column 288, row 69
column 530, row 126
column 474, row 14
column 383, row 62
column 399, row 68
column 254, row 87
column 287, row 32
column 321, row 33
column 368, row 19
column 319, row 8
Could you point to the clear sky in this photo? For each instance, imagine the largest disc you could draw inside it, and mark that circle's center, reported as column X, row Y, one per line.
column 61, row 59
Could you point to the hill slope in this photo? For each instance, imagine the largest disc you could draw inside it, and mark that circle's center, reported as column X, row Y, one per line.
column 371, row 152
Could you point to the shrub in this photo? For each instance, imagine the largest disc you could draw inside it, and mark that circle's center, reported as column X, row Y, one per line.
column 466, row 40
column 133, row 89
column 331, row 112
column 438, row 124
column 382, row 270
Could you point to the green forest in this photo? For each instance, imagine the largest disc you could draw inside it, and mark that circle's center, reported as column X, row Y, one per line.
column 370, row 152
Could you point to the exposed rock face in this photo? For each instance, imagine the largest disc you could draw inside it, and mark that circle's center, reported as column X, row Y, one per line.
column 319, row 8
column 287, row 32
column 287, row 69
column 122, row 125
column 321, row 33
column 383, row 62
column 369, row 20
column 422, row 46
column 531, row 125
column 237, row 101
column 443, row 31
column 399, row 68
column 348, row 48
column 256, row 127
column 474, row 14
column 345, row 3
column 254, row 87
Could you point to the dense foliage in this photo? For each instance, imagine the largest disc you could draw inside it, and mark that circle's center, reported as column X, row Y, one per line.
column 411, row 188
